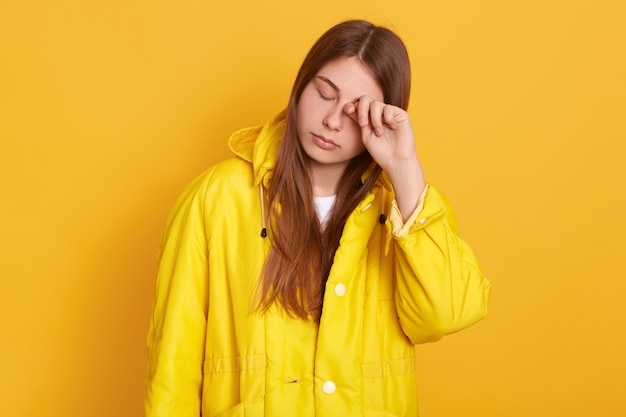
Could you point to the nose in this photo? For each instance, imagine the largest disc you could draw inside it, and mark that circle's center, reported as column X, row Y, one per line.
column 334, row 118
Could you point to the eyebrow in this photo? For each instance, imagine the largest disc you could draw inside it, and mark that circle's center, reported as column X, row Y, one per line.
column 329, row 82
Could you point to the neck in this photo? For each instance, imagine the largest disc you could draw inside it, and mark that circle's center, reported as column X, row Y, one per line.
column 326, row 178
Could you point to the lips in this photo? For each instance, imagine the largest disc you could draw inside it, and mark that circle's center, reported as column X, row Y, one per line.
column 324, row 143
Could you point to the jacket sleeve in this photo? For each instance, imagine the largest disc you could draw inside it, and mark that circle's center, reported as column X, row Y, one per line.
column 440, row 288
column 177, row 330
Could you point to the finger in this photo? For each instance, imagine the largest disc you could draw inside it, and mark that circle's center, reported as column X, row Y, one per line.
column 350, row 110
column 363, row 110
column 376, row 117
column 389, row 116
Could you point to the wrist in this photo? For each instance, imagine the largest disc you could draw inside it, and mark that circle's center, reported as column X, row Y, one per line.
column 407, row 179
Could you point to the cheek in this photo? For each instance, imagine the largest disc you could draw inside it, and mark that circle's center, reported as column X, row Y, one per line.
column 306, row 102
column 303, row 111
column 353, row 132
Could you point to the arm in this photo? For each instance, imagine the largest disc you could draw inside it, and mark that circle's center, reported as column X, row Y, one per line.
column 177, row 330
column 440, row 288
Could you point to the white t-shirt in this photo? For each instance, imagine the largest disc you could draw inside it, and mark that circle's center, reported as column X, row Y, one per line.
column 324, row 205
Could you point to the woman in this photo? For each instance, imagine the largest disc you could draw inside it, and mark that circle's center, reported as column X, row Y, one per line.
column 357, row 259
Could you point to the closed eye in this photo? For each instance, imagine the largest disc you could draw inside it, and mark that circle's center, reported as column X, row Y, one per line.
column 323, row 97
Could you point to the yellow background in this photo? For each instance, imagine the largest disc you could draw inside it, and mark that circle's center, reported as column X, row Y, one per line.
column 107, row 108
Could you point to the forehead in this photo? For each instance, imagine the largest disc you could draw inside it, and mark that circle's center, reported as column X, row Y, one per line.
column 351, row 77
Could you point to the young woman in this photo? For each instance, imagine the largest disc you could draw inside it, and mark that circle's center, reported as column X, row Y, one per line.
column 296, row 278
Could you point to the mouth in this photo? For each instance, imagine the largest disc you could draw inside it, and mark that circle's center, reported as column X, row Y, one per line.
column 324, row 143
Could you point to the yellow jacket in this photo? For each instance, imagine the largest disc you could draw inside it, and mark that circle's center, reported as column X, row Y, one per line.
column 390, row 287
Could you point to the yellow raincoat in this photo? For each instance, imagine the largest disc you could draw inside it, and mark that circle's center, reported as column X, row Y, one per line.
column 391, row 286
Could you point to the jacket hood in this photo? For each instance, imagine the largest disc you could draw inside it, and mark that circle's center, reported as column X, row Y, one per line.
column 259, row 146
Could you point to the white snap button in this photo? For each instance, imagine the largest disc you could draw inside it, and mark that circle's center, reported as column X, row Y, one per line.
column 422, row 221
column 328, row 387
column 340, row 290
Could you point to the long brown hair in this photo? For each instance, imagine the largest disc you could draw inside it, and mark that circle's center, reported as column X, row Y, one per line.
column 301, row 255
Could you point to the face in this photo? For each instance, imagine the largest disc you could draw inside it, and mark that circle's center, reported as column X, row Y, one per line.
column 328, row 136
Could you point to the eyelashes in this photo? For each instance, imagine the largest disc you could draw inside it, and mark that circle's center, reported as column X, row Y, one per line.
column 323, row 97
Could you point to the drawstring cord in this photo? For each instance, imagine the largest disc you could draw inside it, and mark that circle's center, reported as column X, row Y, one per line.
column 262, row 194
column 382, row 218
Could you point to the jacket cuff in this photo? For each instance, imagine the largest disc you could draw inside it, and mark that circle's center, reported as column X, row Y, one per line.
column 399, row 228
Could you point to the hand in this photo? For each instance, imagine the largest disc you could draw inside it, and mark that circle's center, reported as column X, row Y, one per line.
column 387, row 134
column 386, row 131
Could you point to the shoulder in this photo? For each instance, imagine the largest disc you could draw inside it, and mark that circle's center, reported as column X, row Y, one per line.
column 229, row 170
column 233, row 172
column 223, row 176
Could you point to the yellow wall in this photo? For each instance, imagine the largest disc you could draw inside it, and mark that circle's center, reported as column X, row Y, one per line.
column 107, row 108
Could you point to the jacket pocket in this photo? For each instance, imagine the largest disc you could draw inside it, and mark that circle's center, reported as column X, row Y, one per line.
column 243, row 409
column 233, row 386
column 236, row 411
column 379, row 413
column 390, row 388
